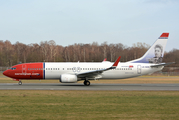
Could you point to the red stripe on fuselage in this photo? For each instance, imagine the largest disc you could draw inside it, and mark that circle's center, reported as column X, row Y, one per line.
column 26, row 71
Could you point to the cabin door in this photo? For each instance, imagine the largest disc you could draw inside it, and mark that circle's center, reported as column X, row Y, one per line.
column 139, row 69
column 23, row 68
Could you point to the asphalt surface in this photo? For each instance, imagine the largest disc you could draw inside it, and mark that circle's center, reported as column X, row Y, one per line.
column 80, row 86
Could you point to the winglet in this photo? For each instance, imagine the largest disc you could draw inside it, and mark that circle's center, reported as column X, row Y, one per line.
column 116, row 62
column 105, row 59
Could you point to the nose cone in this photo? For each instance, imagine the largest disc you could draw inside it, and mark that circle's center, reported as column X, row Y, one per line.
column 5, row 73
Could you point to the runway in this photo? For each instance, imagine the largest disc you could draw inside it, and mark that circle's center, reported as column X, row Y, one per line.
column 95, row 87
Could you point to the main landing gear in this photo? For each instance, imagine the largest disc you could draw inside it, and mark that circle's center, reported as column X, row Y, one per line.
column 20, row 83
column 86, row 82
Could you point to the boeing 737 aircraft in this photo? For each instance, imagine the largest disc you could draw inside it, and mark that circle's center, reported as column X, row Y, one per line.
column 68, row 72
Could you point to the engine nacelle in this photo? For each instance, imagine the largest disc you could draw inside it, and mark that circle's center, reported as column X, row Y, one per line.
column 67, row 78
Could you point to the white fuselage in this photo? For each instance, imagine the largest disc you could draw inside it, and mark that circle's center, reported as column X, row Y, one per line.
column 123, row 70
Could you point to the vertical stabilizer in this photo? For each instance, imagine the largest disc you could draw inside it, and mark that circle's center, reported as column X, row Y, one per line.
column 155, row 52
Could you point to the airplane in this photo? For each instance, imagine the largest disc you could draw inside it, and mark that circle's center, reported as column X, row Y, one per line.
column 71, row 72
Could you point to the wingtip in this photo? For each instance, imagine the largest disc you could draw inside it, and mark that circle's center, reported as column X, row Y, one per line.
column 116, row 62
column 105, row 59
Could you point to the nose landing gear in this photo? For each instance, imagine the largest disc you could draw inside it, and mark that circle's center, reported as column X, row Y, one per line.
column 20, row 83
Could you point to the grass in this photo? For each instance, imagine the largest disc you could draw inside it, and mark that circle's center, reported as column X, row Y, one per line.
column 79, row 105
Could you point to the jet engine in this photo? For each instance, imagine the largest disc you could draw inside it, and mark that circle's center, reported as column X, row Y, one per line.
column 68, row 78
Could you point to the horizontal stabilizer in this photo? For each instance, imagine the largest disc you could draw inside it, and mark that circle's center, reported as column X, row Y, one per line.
column 162, row 64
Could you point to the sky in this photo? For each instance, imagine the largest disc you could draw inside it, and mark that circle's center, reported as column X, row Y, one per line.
column 86, row 21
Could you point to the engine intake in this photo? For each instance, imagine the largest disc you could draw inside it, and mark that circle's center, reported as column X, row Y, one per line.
column 67, row 78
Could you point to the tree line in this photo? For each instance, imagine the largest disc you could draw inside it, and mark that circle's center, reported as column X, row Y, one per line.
column 49, row 51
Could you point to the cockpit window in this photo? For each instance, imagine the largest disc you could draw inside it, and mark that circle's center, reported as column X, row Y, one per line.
column 12, row 68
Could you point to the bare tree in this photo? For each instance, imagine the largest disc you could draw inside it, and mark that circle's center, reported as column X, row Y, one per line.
column 104, row 47
column 53, row 50
column 112, row 48
column 45, row 48
column 11, row 54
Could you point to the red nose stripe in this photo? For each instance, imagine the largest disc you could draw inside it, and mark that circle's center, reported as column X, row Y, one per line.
column 26, row 71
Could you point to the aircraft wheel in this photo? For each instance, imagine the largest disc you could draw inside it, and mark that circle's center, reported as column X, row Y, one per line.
column 87, row 83
column 84, row 82
column 20, row 83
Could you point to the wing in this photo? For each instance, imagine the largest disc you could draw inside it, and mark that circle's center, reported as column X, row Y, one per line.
column 93, row 74
column 162, row 64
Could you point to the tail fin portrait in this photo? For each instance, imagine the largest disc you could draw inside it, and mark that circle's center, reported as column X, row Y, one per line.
column 155, row 52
